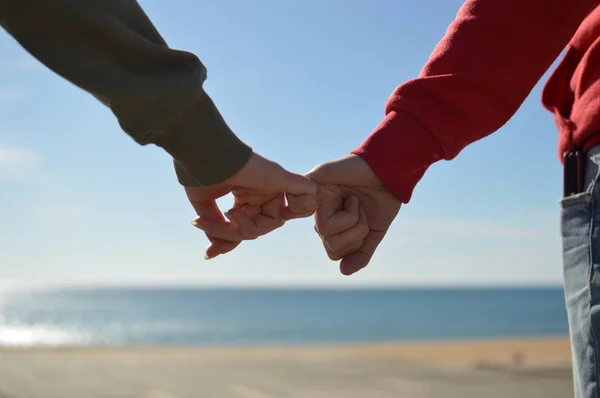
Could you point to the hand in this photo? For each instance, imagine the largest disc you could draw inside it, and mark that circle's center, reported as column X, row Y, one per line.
column 354, row 213
column 260, row 191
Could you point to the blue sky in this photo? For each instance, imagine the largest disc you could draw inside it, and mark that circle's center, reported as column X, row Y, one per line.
column 302, row 82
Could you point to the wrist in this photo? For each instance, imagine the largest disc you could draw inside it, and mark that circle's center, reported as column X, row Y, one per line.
column 399, row 152
column 205, row 150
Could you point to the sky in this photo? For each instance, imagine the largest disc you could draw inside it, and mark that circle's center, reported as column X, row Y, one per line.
column 302, row 82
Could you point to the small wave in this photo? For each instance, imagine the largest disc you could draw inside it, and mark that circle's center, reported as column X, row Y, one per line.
column 38, row 335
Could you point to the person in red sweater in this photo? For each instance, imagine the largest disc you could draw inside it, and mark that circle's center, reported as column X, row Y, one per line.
column 491, row 57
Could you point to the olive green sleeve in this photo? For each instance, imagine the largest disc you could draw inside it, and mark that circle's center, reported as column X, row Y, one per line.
column 111, row 49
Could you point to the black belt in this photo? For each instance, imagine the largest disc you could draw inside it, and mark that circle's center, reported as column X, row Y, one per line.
column 574, row 173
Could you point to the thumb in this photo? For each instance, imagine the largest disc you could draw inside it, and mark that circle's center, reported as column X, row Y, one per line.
column 265, row 175
column 296, row 184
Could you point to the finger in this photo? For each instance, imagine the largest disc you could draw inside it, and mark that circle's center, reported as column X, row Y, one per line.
column 358, row 260
column 334, row 256
column 352, row 245
column 252, row 224
column 253, row 227
column 245, row 196
column 209, row 211
column 299, row 206
column 297, row 185
column 273, row 208
column 348, row 241
column 246, row 225
column 354, row 262
column 251, row 210
column 342, row 220
column 218, row 247
column 215, row 226
column 265, row 176
column 226, row 231
column 324, row 212
column 301, row 194
column 204, row 194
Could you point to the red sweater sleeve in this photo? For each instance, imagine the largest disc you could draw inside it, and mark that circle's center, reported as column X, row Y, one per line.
column 477, row 77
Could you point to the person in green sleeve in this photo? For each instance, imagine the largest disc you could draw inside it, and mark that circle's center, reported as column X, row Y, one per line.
column 111, row 49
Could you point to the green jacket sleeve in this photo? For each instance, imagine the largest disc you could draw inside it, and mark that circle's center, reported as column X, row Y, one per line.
column 111, row 49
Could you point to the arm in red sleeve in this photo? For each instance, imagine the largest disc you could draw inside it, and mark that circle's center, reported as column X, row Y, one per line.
column 477, row 77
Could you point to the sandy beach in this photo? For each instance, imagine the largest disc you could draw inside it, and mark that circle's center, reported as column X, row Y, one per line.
column 490, row 368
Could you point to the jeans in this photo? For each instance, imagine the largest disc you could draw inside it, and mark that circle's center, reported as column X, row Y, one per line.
column 580, row 230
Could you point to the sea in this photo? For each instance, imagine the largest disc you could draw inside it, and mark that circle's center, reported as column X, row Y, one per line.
column 290, row 316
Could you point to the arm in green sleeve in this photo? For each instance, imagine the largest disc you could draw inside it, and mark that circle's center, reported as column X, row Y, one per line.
column 111, row 49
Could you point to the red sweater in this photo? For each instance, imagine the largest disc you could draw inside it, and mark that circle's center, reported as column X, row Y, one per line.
column 491, row 57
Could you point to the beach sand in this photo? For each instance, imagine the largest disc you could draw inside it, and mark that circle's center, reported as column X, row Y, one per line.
column 491, row 368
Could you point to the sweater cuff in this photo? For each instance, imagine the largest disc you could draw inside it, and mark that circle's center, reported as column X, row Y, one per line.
column 399, row 151
column 204, row 149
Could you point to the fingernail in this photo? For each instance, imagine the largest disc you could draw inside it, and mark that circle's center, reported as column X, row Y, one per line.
column 207, row 257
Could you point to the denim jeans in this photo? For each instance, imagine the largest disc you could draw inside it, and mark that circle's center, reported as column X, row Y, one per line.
column 580, row 229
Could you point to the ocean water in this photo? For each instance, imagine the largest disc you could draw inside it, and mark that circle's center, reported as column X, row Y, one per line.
column 126, row 317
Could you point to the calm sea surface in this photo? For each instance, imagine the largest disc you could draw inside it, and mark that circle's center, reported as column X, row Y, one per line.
column 261, row 316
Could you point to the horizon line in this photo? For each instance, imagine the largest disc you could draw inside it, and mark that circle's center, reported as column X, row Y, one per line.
column 278, row 286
